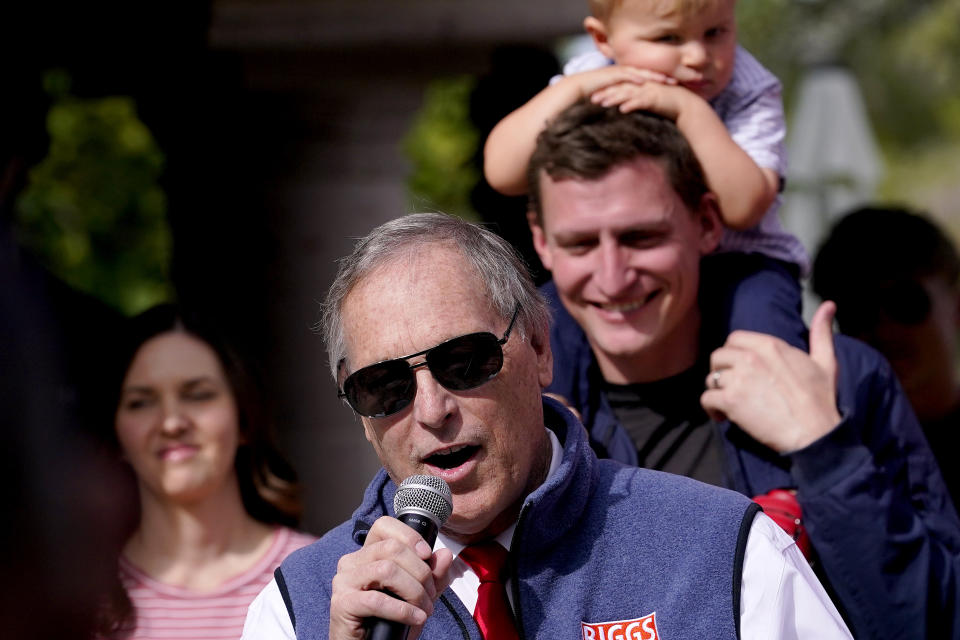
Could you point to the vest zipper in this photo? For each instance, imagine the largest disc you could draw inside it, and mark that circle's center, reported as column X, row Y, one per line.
column 464, row 629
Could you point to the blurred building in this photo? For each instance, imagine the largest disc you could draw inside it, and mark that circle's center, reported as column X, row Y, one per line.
column 328, row 90
column 281, row 122
column 834, row 161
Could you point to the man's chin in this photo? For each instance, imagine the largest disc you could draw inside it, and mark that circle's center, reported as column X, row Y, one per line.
column 618, row 339
column 623, row 348
column 467, row 529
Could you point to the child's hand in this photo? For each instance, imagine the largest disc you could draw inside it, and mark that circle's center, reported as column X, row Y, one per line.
column 590, row 82
column 668, row 100
column 510, row 144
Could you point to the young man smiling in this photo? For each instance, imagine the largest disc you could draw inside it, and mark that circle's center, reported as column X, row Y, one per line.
column 622, row 216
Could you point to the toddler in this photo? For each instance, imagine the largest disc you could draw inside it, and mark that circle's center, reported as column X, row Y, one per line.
column 680, row 59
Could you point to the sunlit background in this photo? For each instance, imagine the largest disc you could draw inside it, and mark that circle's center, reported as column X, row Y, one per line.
column 227, row 154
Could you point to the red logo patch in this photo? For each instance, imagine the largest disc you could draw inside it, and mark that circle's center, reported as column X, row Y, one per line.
column 644, row 628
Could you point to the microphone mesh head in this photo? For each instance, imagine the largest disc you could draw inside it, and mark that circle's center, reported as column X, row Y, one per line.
column 427, row 495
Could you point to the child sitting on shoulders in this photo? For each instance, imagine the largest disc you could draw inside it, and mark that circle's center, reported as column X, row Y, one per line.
column 680, row 59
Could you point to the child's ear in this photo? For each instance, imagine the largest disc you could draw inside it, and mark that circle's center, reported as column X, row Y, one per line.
column 598, row 31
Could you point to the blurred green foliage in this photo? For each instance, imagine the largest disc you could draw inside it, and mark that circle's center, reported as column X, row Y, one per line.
column 441, row 145
column 93, row 211
column 904, row 54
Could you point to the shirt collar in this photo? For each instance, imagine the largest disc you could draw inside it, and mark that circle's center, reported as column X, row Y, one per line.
column 505, row 537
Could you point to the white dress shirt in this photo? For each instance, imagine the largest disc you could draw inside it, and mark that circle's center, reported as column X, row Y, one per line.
column 780, row 596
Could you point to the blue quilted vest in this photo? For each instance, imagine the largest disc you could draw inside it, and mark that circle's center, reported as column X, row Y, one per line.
column 602, row 551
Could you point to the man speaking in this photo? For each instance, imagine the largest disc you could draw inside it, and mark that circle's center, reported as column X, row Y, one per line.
column 439, row 341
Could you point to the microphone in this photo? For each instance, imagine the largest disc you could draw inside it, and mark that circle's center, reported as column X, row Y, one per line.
column 423, row 503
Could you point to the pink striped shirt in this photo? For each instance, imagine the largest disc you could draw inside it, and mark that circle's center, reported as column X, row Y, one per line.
column 164, row 611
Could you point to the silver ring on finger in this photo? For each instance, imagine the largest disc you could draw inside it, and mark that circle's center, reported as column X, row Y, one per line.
column 715, row 380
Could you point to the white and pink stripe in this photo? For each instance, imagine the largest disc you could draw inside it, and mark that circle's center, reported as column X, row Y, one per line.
column 165, row 612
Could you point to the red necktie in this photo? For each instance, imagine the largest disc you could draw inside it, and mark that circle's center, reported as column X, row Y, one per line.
column 493, row 614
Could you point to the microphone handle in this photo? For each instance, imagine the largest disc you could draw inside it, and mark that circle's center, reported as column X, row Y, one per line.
column 389, row 629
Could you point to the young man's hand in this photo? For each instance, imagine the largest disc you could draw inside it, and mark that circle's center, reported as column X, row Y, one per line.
column 782, row 396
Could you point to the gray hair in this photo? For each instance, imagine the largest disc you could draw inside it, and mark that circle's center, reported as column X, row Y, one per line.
column 498, row 265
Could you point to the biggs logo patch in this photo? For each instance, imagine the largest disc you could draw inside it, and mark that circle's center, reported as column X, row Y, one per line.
column 644, row 628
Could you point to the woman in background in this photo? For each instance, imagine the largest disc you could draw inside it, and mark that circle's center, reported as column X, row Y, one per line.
column 217, row 503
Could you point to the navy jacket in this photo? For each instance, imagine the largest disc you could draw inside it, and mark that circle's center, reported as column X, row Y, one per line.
column 598, row 542
column 886, row 535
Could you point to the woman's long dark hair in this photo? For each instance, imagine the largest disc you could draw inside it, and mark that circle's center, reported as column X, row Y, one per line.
column 268, row 484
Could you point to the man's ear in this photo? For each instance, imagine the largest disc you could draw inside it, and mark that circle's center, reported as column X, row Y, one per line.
column 711, row 227
column 598, row 31
column 368, row 432
column 540, row 341
column 539, row 240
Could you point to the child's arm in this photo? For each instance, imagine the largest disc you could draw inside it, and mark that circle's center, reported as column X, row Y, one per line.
column 511, row 143
column 744, row 189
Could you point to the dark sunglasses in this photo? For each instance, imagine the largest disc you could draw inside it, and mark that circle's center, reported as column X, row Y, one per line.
column 461, row 363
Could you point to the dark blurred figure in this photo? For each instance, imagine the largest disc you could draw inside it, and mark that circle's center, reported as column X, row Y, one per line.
column 64, row 512
column 895, row 277
column 60, row 526
column 517, row 73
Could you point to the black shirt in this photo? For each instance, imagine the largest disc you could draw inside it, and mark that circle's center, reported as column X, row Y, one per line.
column 669, row 427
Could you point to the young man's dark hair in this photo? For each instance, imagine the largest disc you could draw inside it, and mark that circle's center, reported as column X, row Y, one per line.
column 587, row 140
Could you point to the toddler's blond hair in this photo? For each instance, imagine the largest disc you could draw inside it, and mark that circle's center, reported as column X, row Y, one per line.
column 603, row 9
